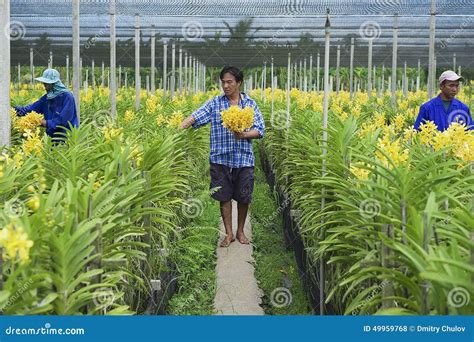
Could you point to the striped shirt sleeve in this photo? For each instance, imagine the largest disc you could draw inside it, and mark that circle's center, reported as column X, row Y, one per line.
column 258, row 123
column 202, row 116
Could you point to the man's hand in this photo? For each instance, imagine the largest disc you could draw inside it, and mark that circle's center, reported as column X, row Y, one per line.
column 240, row 135
column 187, row 122
column 252, row 134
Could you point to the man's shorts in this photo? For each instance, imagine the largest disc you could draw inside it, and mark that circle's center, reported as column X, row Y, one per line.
column 234, row 183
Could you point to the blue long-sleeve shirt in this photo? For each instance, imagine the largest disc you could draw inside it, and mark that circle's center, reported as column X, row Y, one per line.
column 435, row 111
column 59, row 111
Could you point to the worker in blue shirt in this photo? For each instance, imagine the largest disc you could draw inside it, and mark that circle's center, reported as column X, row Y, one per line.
column 231, row 158
column 445, row 109
column 57, row 105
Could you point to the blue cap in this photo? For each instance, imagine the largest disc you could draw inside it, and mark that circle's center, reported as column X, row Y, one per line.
column 49, row 76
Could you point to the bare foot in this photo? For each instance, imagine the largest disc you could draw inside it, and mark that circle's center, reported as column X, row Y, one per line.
column 243, row 239
column 227, row 241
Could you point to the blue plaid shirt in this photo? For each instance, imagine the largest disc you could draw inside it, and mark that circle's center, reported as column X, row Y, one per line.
column 225, row 148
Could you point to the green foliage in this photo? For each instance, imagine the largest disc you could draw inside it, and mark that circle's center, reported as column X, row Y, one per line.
column 397, row 242
column 275, row 267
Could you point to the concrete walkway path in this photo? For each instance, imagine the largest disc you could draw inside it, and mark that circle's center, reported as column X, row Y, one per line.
column 237, row 290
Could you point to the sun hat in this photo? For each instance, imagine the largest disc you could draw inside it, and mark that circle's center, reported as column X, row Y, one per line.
column 49, row 76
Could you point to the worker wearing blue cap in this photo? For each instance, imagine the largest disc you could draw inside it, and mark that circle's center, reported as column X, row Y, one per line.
column 57, row 105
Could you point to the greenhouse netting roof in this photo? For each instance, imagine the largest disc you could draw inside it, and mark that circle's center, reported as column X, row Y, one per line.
column 276, row 21
column 244, row 7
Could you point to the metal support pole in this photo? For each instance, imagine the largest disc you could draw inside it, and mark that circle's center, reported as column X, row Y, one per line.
column 102, row 75
column 113, row 56
column 288, row 87
column 186, row 72
column 369, row 68
column 405, row 80
column 382, row 86
column 394, row 61
column 173, row 70
column 351, row 70
column 431, row 68
column 31, row 66
column 5, row 121
column 76, row 72
column 301, row 75
column 180, row 71
column 418, row 76
column 137, row 62
column 317, row 72
column 67, row 70
column 165, row 71
column 324, row 152
column 153, row 60
column 93, row 74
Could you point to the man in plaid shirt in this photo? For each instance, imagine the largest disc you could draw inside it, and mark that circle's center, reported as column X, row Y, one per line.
column 232, row 159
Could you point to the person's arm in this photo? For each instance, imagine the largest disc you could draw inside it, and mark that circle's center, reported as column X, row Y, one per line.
column 257, row 131
column 199, row 118
column 65, row 116
column 36, row 106
column 422, row 117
